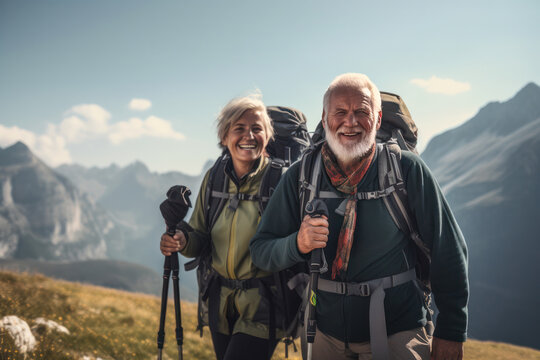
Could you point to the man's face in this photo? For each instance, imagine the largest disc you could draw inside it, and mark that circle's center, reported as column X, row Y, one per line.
column 351, row 124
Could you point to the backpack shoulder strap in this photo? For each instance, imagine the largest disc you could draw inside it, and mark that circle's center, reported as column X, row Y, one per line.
column 390, row 173
column 217, row 183
column 310, row 177
column 272, row 175
column 212, row 205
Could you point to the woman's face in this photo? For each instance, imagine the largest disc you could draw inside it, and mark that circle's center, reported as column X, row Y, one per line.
column 247, row 138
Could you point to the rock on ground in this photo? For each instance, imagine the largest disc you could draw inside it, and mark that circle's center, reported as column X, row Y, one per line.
column 49, row 325
column 19, row 330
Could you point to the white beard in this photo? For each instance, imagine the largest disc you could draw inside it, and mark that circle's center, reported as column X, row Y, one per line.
column 349, row 153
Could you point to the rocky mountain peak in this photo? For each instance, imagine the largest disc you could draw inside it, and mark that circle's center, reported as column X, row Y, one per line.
column 531, row 90
column 42, row 214
column 136, row 168
column 489, row 169
column 17, row 153
column 496, row 119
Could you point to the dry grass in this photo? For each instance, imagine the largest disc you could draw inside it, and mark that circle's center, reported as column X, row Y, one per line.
column 113, row 324
column 105, row 323
column 489, row 350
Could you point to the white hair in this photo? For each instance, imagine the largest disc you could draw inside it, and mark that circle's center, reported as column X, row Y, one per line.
column 357, row 82
column 353, row 81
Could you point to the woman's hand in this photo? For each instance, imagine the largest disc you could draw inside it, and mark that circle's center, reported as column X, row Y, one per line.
column 170, row 244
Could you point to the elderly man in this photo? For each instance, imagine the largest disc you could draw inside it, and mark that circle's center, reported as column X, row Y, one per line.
column 362, row 244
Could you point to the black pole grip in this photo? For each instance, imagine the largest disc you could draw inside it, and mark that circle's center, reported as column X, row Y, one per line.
column 315, row 208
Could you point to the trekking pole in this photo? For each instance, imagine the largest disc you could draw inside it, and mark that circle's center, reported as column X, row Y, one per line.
column 317, row 208
column 164, row 294
column 176, row 290
column 173, row 210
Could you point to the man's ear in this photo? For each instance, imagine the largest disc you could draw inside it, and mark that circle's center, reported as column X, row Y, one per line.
column 322, row 119
column 379, row 120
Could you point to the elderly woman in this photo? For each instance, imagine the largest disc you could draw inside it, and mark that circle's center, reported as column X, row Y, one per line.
column 239, row 321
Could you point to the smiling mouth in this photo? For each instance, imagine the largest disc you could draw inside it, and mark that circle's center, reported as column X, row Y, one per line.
column 350, row 134
column 247, row 146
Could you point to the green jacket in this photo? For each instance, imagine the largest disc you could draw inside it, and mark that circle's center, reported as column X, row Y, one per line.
column 379, row 249
column 231, row 258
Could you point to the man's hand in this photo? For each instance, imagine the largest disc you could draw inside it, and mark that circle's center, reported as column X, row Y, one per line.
column 313, row 234
column 446, row 350
column 170, row 244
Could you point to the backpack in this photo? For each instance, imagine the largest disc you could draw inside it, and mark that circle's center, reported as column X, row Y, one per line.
column 291, row 136
column 397, row 132
column 290, row 140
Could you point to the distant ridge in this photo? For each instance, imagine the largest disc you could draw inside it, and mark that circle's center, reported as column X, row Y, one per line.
column 108, row 273
column 489, row 170
column 132, row 194
column 497, row 118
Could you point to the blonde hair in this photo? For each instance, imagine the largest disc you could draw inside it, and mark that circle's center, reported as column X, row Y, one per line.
column 234, row 111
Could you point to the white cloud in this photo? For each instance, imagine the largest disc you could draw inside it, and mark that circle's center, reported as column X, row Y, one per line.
column 10, row 135
column 85, row 122
column 97, row 118
column 442, row 86
column 50, row 147
column 136, row 128
column 73, row 128
column 140, row 104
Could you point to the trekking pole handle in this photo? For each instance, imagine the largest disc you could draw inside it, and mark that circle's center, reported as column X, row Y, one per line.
column 171, row 231
column 316, row 208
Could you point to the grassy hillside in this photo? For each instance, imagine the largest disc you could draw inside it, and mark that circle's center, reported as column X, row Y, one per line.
column 113, row 324
column 114, row 274
column 109, row 273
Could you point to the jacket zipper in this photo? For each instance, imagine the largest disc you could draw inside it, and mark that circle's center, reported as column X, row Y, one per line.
column 232, row 243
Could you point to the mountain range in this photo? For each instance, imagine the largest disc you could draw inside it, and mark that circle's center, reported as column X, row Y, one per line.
column 49, row 223
column 488, row 169
column 131, row 195
column 43, row 215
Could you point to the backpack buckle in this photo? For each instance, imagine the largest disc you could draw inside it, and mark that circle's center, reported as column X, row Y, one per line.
column 233, row 204
column 358, row 289
column 372, row 195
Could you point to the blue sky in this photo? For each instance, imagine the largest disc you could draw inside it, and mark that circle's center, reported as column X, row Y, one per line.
column 69, row 69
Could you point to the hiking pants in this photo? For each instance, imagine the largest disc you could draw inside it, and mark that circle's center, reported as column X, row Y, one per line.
column 412, row 344
column 240, row 347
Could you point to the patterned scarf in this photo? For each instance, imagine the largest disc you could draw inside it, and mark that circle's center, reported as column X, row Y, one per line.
column 348, row 185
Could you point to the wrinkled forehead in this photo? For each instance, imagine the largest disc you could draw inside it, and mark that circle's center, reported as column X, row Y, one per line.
column 349, row 95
